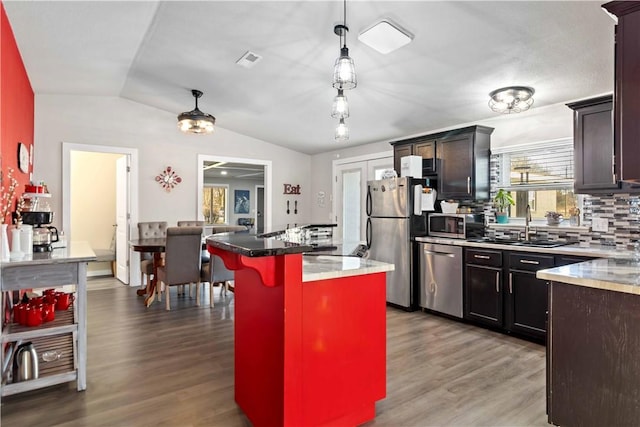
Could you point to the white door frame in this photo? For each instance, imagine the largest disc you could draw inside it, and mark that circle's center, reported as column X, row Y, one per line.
column 268, row 181
column 132, row 153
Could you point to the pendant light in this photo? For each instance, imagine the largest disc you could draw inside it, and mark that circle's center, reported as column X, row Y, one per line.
column 340, row 109
column 344, row 71
column 342, row 131
column 195, row 121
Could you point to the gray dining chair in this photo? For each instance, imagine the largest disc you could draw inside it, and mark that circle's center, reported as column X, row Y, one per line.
column 149, row 230
column 190, row 223
column 181, row 260
column 215, row 273
column 204, row 254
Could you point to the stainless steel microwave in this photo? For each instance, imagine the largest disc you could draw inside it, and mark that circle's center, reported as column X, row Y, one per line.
column 456, row 226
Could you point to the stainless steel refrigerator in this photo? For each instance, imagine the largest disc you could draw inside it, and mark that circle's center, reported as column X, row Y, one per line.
column 391, row 225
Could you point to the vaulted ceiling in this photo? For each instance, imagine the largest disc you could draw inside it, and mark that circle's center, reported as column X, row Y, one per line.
column 155, row 52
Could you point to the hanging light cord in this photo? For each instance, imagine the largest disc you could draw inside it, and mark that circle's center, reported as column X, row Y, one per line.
column 344, row 22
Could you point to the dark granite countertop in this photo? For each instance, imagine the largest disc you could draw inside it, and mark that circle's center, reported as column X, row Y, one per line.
column 252, row 246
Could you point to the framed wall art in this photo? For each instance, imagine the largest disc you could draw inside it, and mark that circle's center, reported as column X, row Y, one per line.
column 241, row 202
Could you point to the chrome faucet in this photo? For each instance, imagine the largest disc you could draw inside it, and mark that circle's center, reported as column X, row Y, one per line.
column 527, row 228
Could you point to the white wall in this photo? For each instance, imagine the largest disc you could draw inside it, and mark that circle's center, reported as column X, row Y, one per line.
column 114, row 121
column 538, row 124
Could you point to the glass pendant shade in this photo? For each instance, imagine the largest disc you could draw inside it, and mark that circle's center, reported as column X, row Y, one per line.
column 340, row 109
column 344, row 71
column 514, row 99
column 195, row 121
column 342, row 131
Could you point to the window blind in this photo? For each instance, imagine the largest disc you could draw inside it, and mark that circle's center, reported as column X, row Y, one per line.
column 548, row 168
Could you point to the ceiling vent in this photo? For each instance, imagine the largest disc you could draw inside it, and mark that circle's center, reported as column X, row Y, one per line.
column 249, row 59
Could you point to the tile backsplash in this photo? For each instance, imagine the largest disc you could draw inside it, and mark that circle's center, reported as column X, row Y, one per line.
column 622, row 212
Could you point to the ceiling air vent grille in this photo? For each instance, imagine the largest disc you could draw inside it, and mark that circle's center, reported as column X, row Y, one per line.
column 249, row 59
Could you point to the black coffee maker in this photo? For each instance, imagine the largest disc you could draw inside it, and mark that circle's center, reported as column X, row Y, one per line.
column 43, row 234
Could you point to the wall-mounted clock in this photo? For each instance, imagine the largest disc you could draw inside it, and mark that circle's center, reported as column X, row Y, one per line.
column 168, row 178
column 23, row 157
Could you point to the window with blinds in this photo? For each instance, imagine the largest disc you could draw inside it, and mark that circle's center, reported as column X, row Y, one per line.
column 540, row 168
column 539, row 176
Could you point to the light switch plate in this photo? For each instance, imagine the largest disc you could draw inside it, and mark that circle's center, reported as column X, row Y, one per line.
column 600, row 224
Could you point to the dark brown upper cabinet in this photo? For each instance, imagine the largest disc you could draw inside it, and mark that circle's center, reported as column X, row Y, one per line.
column 425, row 148
column 458, row 159
column 626, row 124
column 463, row 164
column 596, row 169
column 400, row 151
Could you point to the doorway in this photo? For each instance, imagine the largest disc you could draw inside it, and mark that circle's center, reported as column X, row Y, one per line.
column 350, row 192
column 99, row 183
column 244, row 179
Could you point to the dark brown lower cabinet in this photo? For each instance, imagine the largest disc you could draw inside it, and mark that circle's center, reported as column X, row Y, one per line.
column 483, row 287
column 592, row 357
column 527, row 296
column 507, row 295
column 484, row 295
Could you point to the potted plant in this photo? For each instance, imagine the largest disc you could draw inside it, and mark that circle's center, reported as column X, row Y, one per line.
column 502, row 201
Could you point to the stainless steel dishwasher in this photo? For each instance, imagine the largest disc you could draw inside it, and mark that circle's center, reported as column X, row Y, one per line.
column 441, row 278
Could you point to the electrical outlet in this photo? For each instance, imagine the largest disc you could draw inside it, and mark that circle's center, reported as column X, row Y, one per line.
column 600, row 224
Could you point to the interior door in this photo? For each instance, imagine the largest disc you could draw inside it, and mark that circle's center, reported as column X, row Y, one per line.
column 350, row 198
column 350, row 202
column 122, row 219
column 260, row 209
column 375, row 168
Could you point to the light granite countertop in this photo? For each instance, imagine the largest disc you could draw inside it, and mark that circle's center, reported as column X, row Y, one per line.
column 577, row 249
column 331, row 267
column 76, row 251
column 620, row 275
column 615, row 269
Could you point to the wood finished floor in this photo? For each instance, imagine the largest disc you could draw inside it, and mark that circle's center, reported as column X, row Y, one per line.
column 152, row 367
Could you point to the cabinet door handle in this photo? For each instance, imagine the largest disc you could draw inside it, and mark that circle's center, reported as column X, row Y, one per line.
column 527, row 261
column 510, row 283
column 482, row 256
column 468, row 185
column 497, row 282
column 613, row 169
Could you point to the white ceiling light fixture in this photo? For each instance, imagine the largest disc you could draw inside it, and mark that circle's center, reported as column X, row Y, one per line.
column 342, row 131
column 344, row 70
column 385, row 36
column 340, row 109
column 195, row 121
column 512, row 99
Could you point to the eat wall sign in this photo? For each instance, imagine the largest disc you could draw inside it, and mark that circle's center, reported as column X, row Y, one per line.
column 291, row 189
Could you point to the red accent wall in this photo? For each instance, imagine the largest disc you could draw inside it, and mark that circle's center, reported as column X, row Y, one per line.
column 16, row 108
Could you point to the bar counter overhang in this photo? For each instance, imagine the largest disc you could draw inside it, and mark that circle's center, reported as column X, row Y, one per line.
column 310, row 334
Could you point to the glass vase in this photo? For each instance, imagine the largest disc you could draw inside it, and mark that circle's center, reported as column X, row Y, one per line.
column 4, row 243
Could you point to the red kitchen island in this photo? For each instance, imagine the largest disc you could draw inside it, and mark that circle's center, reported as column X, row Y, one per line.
column 310, row 332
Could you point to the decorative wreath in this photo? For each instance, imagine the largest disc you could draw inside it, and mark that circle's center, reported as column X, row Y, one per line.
column 168, row 178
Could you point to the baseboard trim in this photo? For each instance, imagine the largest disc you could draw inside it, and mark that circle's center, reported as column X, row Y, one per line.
column 95, row 273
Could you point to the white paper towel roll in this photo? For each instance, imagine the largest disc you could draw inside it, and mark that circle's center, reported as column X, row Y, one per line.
column 428, row 200
column 417, row 199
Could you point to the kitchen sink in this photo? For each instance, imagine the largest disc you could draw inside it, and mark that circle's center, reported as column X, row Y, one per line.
column 541, row 243
column 514, row 242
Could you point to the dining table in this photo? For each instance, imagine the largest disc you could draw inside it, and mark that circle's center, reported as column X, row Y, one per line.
column 155, row 246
